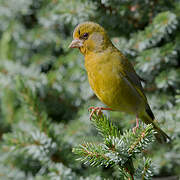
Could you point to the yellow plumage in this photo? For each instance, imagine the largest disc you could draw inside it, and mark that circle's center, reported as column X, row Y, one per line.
column 111, row 75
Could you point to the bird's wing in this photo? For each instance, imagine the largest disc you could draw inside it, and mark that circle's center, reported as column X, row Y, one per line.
column 129, row 73
column 141, row 79
column 134, row 79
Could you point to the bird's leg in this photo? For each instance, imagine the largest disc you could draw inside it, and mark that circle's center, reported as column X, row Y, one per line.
column 98, row 110
column 137, row 124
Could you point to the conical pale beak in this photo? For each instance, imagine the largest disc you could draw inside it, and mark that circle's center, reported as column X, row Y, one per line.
column 76, row 43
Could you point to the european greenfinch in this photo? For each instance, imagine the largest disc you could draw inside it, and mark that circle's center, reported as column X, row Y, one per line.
column 111, row 76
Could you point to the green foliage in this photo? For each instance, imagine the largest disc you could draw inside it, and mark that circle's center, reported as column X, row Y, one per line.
column 44, row 92
column 118, row 150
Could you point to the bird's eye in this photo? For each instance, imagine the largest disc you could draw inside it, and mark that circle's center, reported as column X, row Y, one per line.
column 85, row 35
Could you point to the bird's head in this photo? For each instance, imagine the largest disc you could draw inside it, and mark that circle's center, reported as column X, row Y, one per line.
column 90, row 37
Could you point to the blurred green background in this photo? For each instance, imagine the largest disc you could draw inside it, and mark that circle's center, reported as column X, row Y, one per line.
column 44, row 92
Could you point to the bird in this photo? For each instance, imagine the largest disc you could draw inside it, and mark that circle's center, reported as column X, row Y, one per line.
column 112, row 77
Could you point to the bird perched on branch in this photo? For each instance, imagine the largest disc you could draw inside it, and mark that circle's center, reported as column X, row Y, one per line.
column 111, row 76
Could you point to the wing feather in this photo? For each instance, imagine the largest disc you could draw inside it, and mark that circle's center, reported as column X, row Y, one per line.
column 128, row 71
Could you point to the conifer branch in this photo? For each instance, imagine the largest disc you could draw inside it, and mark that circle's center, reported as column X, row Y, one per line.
column 117, row 149
column 104, row 126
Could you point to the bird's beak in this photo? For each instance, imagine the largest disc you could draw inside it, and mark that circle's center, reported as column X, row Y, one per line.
column 76, row 43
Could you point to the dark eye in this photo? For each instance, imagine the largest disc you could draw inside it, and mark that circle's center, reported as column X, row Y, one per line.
column 85, row 35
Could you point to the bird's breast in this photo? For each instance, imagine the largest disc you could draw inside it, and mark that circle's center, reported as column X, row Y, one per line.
column 105, row 83
column 110, row 87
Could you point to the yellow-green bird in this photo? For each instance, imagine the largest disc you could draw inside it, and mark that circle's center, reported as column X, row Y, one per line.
column 111, row 76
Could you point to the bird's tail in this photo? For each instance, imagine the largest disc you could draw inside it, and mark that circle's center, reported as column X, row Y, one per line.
column 148, row 118
column 161, row 136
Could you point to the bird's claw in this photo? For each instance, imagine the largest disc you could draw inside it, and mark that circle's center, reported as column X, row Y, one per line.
column 94, row 110
column 98, row 110
column 134, row 129
column 137, row 125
